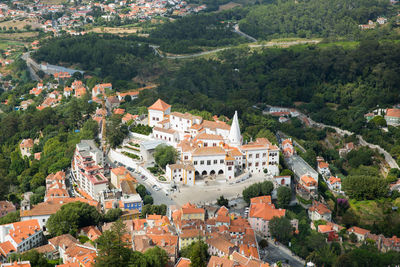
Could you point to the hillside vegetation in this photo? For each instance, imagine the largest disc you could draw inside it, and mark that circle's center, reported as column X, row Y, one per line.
column 306, row 18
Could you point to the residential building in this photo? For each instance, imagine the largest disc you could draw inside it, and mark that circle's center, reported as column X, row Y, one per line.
column 6, row 207
column 55, row 186
column 287, row 148
column 319, row 211
column 392, row 116
column 183, row 262
column 261, row 212
column 334, row 184
column 17, row 264
column 20, row 236
column 309, row 183
column 87, row 168
column 360, row 233
column 180, row 173
column 44, row 210
column 26, row 147
column 323, row 168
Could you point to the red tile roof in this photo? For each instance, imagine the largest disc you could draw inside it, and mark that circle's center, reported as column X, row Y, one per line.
column 160, row 105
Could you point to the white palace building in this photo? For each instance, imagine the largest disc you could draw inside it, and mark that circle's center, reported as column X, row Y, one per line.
column 209, row 147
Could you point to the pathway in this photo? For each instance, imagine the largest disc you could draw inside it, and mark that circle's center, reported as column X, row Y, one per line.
column 158, row 52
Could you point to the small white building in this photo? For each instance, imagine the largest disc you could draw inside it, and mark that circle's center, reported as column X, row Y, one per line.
column 319, row 211
column 181, row 173
column 158, row 112
column 323, row 168
column 334, row 184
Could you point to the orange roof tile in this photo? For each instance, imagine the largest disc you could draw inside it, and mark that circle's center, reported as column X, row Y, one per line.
column 324, row 228
column 358, row 230
column 160, row 105
column 183, row 262
column 393, row 112
column 6, row 248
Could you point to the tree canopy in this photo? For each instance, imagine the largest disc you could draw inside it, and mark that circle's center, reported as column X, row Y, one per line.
column 71, row 217
column 164, row 154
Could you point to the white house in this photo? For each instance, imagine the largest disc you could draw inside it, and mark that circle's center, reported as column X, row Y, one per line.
column 334, row 183
column 319, row 211
column 182, row 173
column 323, row 168
column 157, row 112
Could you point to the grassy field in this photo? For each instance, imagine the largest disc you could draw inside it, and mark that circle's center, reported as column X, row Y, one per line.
column 19, row 37
column 370, row 211
column 228, row 6
column 116, row 30
column 6, row 44
column 19, row 24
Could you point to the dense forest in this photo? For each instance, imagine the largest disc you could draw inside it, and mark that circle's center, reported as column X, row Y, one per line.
column 306, row 18
column 362, row 77
column 106, row 55
column 185, row 35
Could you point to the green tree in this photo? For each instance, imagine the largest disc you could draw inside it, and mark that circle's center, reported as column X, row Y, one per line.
column 148, row 200
column 10, row 218
column 141, row 190
column 112, row 215
column 35, row 258
column 284, row 196
column 153, row 209
column 365, row 187
column 281, row 229
column 197, row 252
column 221, row 201
column 71, row 217
column 164, row 155
column 156, row 257
column 113, row 250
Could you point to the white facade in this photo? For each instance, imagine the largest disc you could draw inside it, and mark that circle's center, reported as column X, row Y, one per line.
column 87, row 168
column 212, row 147
column 23, row 235
column 181, row 173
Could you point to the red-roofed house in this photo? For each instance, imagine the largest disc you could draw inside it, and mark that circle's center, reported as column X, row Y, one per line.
column 334, row 183
column 392, row 116
column 6, row 207
column 323, row 168
column 359, row 232
column 17, row 264
column 319, row 211
column 158, row 111
column 20, row 236
column 261, row 212
column 26, row 147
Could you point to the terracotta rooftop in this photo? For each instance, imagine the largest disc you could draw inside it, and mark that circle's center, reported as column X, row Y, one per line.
column 358, row 230
column 160, row 105
column 393, row 112
column 204, row 151
column 320, row 208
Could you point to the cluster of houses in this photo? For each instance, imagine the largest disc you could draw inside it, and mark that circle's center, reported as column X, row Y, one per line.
column 391, row 115
column 230, row 238
column 320, row 213
column 334, row 183
column 372, row 25
column 80, row 14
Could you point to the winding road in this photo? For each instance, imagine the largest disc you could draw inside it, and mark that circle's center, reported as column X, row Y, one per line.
column 158, row 52
column 388, row 158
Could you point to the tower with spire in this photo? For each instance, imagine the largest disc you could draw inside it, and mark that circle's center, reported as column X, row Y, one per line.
column 234, row 137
